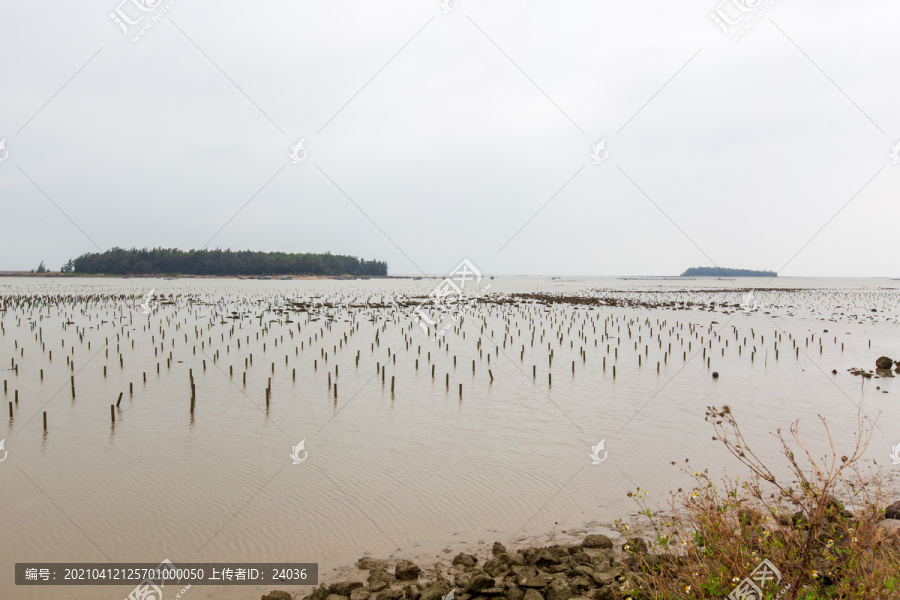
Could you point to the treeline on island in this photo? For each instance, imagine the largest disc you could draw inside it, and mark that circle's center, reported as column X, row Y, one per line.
column 718, row 272
column 220, row 262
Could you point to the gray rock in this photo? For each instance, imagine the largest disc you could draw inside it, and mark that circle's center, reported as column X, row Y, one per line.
column 538, row 581
column 560, row 551
column 359, row 594
column 378, row 585
column 390, row 594
column 602, row 578
column 561, row 568
column 379, row 579
column 543, row 557
column 558, row 590
column 495, row 567
column 337, row 597
column 406, row 571
column 597, row 541
column 515, row 593
column 436, row 591
column 413, row 592
column 580, row 583
column 632, row 561
column 608, row 553
column 277, row 595
column 367, row 563
column 493, row 591
column 604, row 593
column 466, row 560
column 532, row 594
column 514, row 559
column 320, row 593
column 498, row 548
column 583, row 570
column 892, row 511
column 580, row 558
column 480, row 581
column 343, row 588
column 883, row 362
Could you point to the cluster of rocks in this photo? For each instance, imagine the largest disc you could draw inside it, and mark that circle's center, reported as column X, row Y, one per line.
column 882, row 368
column 591, row 569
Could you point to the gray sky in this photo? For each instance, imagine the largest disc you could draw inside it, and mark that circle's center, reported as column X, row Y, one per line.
column 435, row 137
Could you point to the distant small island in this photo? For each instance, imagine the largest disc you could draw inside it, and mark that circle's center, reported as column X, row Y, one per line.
column 171, row 261
column 717, row 272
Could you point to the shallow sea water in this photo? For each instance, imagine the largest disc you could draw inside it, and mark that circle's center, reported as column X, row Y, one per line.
column 412, row 472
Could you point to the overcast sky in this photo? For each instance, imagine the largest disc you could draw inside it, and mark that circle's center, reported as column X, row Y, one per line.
column 431, row 137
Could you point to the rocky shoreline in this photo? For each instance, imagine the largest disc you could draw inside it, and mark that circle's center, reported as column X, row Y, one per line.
column 596, row 568
column 554, row 572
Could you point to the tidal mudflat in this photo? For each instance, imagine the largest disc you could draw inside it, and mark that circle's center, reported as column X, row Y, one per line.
column 172, row 429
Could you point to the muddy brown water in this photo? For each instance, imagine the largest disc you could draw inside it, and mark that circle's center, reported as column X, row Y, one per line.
column 414, row 472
